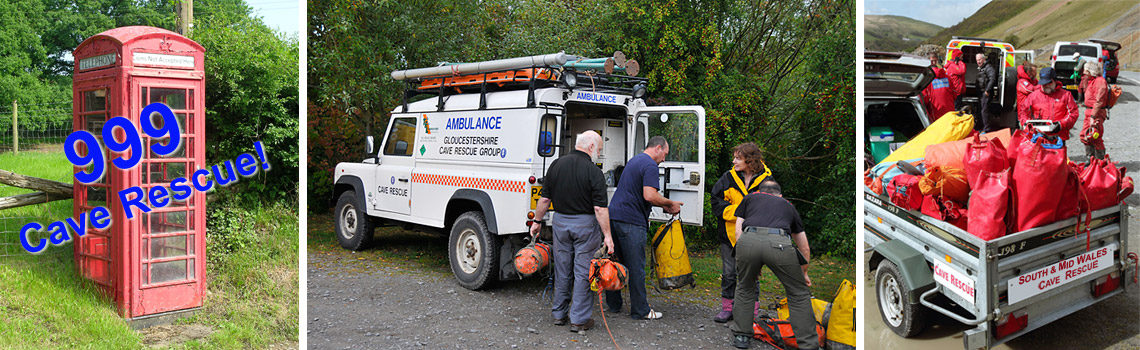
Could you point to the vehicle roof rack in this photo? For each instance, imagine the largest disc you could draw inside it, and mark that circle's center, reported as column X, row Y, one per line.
column 571, row 72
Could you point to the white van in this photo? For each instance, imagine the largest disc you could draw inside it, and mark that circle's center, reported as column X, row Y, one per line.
column 1063, row 61
column 470, row 160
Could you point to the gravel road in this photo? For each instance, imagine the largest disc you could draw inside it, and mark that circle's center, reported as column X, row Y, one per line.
column 380, row 304
column 1110, row 324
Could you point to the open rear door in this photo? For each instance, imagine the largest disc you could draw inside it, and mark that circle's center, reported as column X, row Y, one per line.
column 682, row 173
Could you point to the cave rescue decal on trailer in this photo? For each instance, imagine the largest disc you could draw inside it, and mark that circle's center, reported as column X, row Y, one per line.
column 1049, row 277
column 490, row 136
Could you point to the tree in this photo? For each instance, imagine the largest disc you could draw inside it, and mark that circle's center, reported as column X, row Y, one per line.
column 251, row 95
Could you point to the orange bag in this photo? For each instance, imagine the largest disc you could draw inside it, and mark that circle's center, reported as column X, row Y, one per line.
column 1114, row 93
column 606, row 274
column 950, row 154
column 950, row 183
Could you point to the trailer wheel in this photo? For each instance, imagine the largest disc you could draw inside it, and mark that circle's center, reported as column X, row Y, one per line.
column 904, row 318
column 473, row 251
column 353, row 226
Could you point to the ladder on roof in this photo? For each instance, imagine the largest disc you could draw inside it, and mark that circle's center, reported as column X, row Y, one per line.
column 529, row 72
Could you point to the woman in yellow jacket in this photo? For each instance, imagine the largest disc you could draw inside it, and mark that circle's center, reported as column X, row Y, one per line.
column 747, row 171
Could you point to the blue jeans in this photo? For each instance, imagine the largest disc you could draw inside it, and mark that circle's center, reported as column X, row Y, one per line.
column 629, row 250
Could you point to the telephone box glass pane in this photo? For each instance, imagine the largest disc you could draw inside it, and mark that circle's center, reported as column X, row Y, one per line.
column 94, row 124
column 95, row 100
column 166, row 172
column 145, row 277
column 173, row 221
column 175, row 98
column 168, row 271
column 97, row 196
column 167, row 247
column 187, row 142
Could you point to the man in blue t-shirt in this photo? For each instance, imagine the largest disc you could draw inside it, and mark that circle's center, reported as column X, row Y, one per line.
column 637, row 191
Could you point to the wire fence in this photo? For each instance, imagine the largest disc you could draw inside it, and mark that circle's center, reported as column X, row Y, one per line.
column 37, row 125
column 10, row 246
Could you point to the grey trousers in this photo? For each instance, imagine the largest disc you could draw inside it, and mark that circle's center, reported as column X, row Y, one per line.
column 754, row 250
column 576, row 237
column 727, row 272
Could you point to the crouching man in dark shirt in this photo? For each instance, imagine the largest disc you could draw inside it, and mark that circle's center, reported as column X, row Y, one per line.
column 766, row 227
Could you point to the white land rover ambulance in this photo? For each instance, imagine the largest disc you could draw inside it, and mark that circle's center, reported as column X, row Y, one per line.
column 469, row 160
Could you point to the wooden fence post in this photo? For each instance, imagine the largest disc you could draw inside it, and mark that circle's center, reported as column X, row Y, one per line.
column 15, row 129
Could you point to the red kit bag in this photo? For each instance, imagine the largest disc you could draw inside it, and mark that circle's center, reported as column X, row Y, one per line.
column 1040, row 172
column 984, row 156
column 944, row 209
column 903, row 191
column 1103, row 183
column 988, row 204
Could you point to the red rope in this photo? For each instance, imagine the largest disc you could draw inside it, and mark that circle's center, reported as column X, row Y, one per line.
column 602, row 309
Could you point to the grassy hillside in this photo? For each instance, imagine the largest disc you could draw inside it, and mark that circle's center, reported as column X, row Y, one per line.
column 1040, row 25
column 895, row 33
column 987, row 17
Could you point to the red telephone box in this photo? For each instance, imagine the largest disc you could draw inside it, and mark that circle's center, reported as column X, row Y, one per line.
column 154, row 263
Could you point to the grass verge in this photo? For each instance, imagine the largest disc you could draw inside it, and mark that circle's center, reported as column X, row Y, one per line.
column 251, row 301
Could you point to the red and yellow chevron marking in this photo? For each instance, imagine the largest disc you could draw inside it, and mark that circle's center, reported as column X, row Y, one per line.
column 470, row 182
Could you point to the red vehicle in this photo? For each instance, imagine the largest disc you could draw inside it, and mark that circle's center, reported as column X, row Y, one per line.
column 154, row 264
column 1111, row 63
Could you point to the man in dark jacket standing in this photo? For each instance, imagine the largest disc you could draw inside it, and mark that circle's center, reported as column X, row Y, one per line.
column 581, row 223
column 985, row 83
column 637, row 191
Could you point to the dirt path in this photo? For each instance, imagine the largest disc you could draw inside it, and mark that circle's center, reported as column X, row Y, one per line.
column 371, row 303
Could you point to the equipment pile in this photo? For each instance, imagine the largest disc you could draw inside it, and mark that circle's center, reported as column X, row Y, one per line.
column 998, row 183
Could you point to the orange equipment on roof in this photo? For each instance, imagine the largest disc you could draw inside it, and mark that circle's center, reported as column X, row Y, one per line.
column 500, row 78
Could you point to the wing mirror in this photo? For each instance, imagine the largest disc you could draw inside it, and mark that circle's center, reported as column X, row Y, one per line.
column 370, row 148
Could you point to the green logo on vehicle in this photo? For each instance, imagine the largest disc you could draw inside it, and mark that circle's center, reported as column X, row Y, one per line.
column 422, row 149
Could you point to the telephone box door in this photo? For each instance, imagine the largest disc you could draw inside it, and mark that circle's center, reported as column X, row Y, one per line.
column 169, row 250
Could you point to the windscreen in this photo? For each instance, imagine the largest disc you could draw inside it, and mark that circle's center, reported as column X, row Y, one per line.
column 1085, row 50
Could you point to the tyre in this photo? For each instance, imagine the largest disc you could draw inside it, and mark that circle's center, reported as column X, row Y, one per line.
column 353, row 226
column 904, row 318
column 473, row 251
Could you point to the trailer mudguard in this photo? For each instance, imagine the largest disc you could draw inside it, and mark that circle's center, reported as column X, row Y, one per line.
column 912, row 266
column 484, row 203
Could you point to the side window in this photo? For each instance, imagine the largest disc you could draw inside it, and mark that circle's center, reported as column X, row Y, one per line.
column 639, row 137
column 680, row 130
column 547, row 131
column 401, row 138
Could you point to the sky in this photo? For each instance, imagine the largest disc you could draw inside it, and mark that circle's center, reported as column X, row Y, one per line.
column 944, row 13
column 281, row 15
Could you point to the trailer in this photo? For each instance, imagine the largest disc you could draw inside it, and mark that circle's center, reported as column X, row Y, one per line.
column 1004, row 287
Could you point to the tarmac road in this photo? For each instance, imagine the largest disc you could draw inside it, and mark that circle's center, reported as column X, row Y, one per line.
column 1110, row 324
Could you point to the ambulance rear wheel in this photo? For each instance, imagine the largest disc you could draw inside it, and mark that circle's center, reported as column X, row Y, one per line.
column 353, row 226
column 473, row 251
column 903, row 317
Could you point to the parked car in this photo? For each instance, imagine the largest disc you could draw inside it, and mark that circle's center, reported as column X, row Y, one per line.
column 892, row 103
column 1111, row 63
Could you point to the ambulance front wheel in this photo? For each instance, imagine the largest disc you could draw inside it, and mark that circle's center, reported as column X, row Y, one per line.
column 903, row 317
column 353, row 226
column 473, row 251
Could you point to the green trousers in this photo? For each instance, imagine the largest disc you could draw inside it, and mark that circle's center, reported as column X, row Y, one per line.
column 760, row 248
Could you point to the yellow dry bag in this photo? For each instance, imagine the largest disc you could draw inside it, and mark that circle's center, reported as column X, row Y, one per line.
column 671, row 257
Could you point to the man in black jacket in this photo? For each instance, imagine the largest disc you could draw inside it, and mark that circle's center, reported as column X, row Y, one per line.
column 985, row 83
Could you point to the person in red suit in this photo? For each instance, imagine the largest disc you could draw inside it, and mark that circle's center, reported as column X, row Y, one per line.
column 1096, row 97
column 1050, row 102
column 938, row 97
column 1026, row 84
